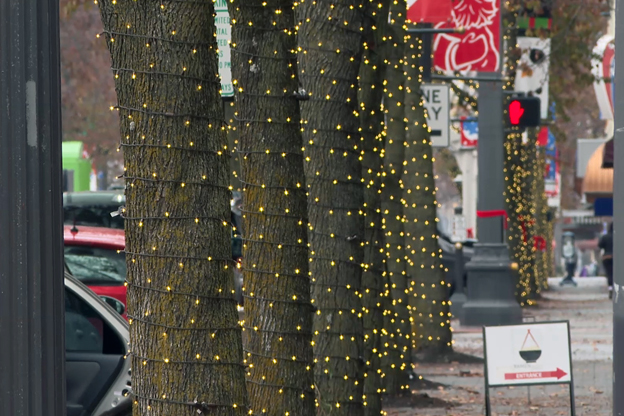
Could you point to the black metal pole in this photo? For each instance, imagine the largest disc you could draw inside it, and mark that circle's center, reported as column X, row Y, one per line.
column 618, row 218
column 458, row 299
column 491, row 299
column 426, row 59
column 32, row 327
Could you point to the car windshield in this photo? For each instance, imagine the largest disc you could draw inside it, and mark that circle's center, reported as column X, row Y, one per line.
column 93, row 265
column 93, row 216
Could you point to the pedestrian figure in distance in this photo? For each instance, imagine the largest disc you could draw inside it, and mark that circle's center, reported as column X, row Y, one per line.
column 570, row 257
column 606, row 244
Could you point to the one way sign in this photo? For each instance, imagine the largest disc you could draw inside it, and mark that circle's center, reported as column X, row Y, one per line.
column 436, row 98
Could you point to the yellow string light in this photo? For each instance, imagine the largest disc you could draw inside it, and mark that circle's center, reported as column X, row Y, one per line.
column 278, row 351
column 428, row 287
column 396, row 347
column 168, row 182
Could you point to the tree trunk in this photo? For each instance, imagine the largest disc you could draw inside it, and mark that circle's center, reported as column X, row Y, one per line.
column 428, row 288
column 528, row 219
column 330, row 43
column 278, row 312
column 541, row 222
column 372, row 72
column 398, row 360
column 185, row 338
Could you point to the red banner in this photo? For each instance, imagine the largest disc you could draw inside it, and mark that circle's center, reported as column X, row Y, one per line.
column 478, row 49
column 429, row 11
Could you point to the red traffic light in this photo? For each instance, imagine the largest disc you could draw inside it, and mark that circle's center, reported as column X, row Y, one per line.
column 524, row 112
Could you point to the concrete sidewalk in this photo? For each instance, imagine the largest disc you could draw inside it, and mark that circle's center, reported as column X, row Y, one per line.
column 590, row 314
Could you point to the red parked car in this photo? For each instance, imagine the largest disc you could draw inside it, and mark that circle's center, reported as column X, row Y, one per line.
column 95, row 256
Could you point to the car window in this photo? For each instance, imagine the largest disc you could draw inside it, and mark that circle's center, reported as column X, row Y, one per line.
column 95, row 265
column 84, row 328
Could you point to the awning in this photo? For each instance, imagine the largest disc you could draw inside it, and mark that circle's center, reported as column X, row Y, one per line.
column 607, row 155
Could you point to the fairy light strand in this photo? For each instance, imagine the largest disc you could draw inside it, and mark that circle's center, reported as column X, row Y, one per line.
column 167, row 185
column 397, row 354
column 370, row 97
column 330, row 39
column 278, row 351
column 428, row 300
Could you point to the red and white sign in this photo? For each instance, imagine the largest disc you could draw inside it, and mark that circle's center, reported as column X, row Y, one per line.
column 478, row 49
column 536, row 375
column 429, row 11
column 603, row 69
column 535, row 353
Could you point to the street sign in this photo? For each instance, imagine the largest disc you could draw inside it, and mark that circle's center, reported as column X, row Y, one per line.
column 469, row 133
column 528, row 354
column 459, row 228
column 436, row 100
column 224, row 36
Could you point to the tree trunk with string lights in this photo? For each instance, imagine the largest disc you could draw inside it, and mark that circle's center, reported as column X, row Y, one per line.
column 186, row 345
column 330, row 44
column 428, row 298
column 541, row 222
column 529, row 155
column 372, row 71
column 398, row 339
column 278, row 313
column 516, row 172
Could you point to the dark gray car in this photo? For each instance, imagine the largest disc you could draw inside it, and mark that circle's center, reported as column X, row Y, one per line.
column 97, row 370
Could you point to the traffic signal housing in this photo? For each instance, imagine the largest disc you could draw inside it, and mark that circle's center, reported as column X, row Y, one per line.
column 524, row 112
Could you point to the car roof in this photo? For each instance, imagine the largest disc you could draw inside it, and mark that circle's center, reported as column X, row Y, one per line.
column 111, row 238
column 94, row 198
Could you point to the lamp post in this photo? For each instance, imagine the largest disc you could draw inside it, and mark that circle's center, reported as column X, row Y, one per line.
column 618, row 218
column 32, row 345
column 491, row 284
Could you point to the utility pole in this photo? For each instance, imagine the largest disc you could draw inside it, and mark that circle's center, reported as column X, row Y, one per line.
column 618, row 218
column 32, row 327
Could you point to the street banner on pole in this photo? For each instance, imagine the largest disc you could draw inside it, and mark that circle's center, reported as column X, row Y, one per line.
column 429, row 11
column 469, row 133
column 533, row 68
column 603, row 69
column 478, row 49
column 552, row 173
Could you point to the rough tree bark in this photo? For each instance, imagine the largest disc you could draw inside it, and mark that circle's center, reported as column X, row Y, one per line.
column 185, row 337
column 330, row 43
column 428, row 287
column 278, row 313
column 398, row 358
column 370, row 95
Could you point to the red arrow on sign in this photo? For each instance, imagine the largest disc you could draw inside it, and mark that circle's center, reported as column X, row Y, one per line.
column 536, row 374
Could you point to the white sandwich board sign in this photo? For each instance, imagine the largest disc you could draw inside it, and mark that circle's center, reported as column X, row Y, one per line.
column 527, row 354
